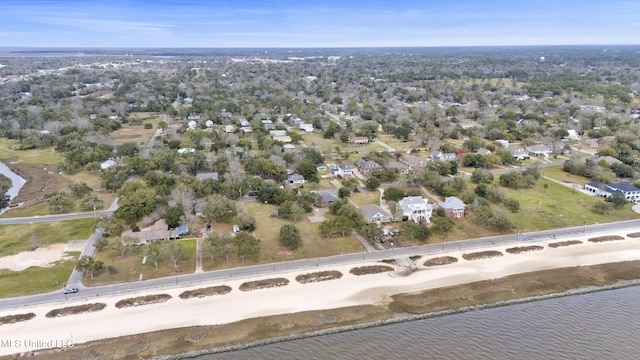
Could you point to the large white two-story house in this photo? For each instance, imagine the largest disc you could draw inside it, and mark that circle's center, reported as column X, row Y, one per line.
column 414, row 208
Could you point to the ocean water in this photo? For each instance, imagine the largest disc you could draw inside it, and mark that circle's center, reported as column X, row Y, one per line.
column 599, row 325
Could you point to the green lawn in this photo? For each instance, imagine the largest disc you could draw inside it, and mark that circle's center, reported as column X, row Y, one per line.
column 46, row 155
column 365, row 197
column 37, row 280
column 16, row 238
column 396, row 143
column 556, row 173
column 557, row 206
column 130, row 268
column 313, row 244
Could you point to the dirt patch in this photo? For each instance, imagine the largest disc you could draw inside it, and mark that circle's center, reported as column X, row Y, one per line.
column 565, row 243
column 442, row 260
column 318, row 276
column 523, row 249
column 606, row 238
column 74, row 310
column 264, row 284
column 12, row 319
column 143, row 300
column 481, row 255
column 43, row 257
column 208, row 291
column 371, row 269
column 634, row 235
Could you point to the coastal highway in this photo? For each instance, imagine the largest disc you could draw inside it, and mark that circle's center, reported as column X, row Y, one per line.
column 219, row 276
column 60, row 217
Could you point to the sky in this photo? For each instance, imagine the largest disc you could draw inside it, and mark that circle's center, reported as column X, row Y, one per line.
column 319, row 23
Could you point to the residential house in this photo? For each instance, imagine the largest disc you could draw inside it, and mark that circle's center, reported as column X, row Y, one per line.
column 276, row 133
column 284, row 139
column 191, row 125
column 321, row 167
column 327, row 197
column 208, row 124
column 538, row 150
column 592, row 143
column 518, row 152
column 208, row 175
column 453, row 207
column 345, row 170
column 195, row 117
column 403, row 169
column 244, row 123
column 366, row 166
column 267, row 124
column 439, row 155
column 360, row 140
column 483, row 151
column 186, row 150
column 288, row 148
column 559, row 147
column 630, row 192
column 308, row 128
column 415, row 161
column 572, row 135
column 374, row 213
column 414, row 208
column 504, row 143
column 107, row 164
column 229, row 129
column 610, row 160
column 295, row 179
column 158, row 232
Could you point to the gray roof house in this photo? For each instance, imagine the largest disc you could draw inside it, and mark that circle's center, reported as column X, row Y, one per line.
column 453, row 207
column 209, row 175
column 326, row 198
column 366, row 166
column 373, row 213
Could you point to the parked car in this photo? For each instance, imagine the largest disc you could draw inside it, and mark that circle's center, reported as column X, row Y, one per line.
column 70, row 290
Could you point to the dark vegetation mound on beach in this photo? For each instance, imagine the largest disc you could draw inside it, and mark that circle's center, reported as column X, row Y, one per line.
column 522, row 249
column 634, row 235
column 564, row 243
column 73, row 310
column 143, row 300
column 606, row 238
column 12, row 319
column 318, row 276
column 442, row 260
column 481, row 255
column 264, row 284
column 371, row 269
column 208, row 291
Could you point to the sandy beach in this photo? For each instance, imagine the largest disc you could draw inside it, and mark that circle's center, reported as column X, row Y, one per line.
column 349, row 290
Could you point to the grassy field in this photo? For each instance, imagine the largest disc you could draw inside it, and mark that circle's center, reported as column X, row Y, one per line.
column 131, row 133
column 396, row 143
column 556, row 206
column 16, row 238
column 130, row 268
column 313, row 244
column 366, row 197
column 90, row 178
column 39, row 279
column 556, row 173
column 8, row 153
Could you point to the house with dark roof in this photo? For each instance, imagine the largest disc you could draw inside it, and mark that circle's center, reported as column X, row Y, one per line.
column 415, row 161
column 403, row 169
column 295, row 179
column 326, row 198
column 374, row 213
column 630, row 192
column 539, row 150
column 366, row 166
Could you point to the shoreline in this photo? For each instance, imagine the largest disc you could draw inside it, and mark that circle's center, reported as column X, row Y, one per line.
column 399, row 320
column 242, row 319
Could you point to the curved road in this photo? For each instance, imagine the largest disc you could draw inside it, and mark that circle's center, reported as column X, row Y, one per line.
column 308, row 264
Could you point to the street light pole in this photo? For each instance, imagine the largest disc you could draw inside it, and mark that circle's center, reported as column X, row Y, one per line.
column 363, row 253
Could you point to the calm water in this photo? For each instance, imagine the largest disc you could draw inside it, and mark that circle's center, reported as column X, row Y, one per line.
column 603, row 325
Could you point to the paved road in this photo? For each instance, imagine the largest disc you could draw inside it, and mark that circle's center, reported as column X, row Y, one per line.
column 309, row 264
column 60, row 217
